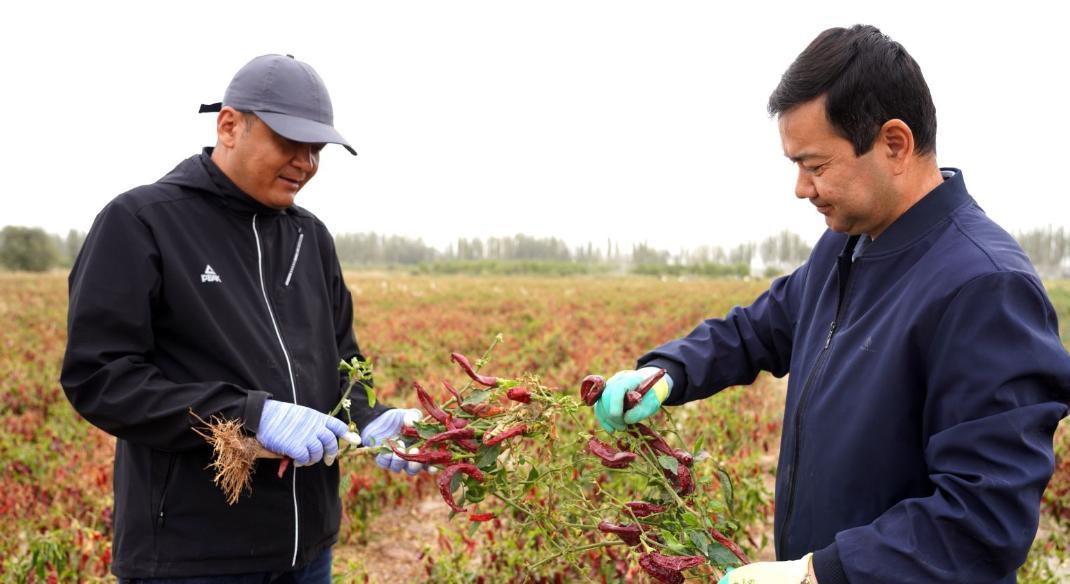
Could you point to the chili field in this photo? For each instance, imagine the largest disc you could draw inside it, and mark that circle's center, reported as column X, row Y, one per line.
column 55, row 487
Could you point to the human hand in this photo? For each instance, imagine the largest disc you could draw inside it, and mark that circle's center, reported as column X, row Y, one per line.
column 791, row 572
column 301, row 433
column 385, row 427
column 609, row 410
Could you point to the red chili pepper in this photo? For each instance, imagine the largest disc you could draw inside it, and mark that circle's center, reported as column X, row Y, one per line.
column 682, row 482
column 658, row 572
column 409, row 432
column 429, row 405
column 483, row 410
column 519, row 394
column 729, row 545
column 481, row 517
column 677, row 562
column 632, row 398
column 643, row 508
column 591, row 389
column 456, row 434
column 285, row 462
column 659, row 444
column 610, row 457
column 446, row 476
column 684, row 457
column 480, row 379
column 426, row 457
column 667, row 568
column 453, row 391
column 505, row 434
column 629, row 534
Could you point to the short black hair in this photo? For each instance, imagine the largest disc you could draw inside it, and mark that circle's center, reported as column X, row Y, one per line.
column 868, row 79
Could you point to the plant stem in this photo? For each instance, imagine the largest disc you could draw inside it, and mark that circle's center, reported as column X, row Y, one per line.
column 581, row 548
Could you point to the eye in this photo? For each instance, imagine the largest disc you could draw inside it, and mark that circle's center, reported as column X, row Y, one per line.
column 816, row 170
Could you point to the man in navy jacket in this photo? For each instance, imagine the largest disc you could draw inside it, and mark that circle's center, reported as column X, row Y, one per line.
column 927, row 374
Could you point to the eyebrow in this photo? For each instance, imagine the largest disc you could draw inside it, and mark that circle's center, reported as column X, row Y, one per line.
column 803, row 156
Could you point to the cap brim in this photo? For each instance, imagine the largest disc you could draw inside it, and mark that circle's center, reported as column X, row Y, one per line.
column 302, row 130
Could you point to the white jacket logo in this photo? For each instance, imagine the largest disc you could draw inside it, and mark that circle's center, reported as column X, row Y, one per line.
column 209, row 275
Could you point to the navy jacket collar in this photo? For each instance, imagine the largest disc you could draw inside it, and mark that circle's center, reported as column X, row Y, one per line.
column 927, row 213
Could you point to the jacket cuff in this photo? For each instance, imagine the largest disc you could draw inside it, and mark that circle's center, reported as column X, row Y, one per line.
column 675, row 371
column 254, row 408
column 827, row 566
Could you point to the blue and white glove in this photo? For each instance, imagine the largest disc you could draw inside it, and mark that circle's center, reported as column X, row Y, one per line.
column 303, row 434
column 387, row 427
column 609, row 409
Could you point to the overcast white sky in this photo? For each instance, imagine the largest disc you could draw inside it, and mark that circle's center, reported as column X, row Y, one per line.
column 577, row 119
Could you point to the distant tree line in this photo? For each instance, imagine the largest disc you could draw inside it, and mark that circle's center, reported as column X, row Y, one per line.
column 32, row 249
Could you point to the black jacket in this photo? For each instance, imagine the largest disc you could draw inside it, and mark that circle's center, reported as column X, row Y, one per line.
column 188, row 294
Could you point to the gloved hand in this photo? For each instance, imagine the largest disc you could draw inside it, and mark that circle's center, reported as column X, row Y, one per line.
column 609, row 410
column 386, row 427
column 301, row 433
column 793, row 572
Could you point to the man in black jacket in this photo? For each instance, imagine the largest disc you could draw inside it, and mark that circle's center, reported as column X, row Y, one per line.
column 210, row 292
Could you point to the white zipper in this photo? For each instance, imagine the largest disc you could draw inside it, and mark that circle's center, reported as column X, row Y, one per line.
column 289, row 368
column 297, row 252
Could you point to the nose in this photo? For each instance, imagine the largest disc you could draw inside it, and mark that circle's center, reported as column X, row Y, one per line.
column 306, row 158
column 804, row 185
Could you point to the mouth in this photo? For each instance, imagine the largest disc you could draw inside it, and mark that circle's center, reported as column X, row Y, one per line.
column 293, row 183
column 823, row 209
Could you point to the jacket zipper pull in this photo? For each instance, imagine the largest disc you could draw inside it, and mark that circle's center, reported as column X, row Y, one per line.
column 159, row 519
column 832, row 329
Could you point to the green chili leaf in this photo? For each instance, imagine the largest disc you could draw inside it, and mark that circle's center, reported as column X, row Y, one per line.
column 476, row 397
column 669, row 463
column 487, row 457
column 726, row 489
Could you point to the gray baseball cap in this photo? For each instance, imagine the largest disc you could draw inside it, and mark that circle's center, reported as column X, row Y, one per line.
column 288, row 96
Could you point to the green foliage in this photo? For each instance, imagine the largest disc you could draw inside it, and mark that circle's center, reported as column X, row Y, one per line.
column 27, row 249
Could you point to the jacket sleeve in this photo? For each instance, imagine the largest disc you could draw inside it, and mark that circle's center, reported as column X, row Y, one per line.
column 359, row 410
column 998, row 378
column 723, row 352
column 108, row 373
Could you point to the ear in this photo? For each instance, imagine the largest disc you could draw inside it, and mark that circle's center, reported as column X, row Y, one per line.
column 896, row 142
column 228, row 126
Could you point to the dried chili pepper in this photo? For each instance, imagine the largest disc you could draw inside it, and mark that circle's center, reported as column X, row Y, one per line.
column 453, row 391
column 519, row 394
column 483, row 410
column 456, row 434
column 659, row 444
column 658, row 572
column 505, row 434
column 480, row 379
column 481, row 517
column 643, row 508
column 429, row 405
column 684, row 457
column 446, row 477
column 682, row 482
column 668, row 568
column 591, row 389
column 729, row 545
column 610, row 457
column 426, row 457
column 629, row 534
column 409, row 432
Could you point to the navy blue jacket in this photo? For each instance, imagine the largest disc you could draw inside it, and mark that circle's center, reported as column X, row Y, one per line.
column 927, row 380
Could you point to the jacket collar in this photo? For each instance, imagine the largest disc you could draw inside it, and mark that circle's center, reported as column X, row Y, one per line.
column 932, row 209
column 229, row 194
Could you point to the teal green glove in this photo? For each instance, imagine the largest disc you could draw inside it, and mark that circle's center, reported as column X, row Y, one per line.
column 793, row 572
column 609, row 410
